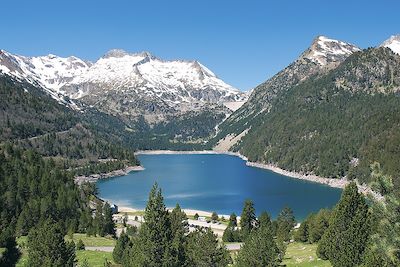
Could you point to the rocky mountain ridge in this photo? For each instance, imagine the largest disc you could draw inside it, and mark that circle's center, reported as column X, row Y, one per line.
column 126, row 84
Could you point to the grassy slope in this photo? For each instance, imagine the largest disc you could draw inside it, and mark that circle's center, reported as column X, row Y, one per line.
column 303, row 255
column 94, row 258
column 92, row 241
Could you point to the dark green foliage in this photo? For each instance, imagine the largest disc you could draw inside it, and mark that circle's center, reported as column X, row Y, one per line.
column 265, row 220
column 34, row 120
column 163, row 240
column 80, row 245
column 120, row 246
column 48, row 248
column 125, row 219
column 384, row 245
column 214, row 216
column 131, row 230
column 233, row 220
column 7, row 240
column 248, row 219
column 196, row 216
column 286, row 223
column 109, row 225
column 190, row 126
column 203, row 250
column 32, row 189
column 103, row 223
column 301, row 235
column 179, row 229
column 317, row 225
column 26, row 111
column 155, row 235
column 313, row 227
column 85, row 263
column 231, row 232
column 346, row 239
column 324, row 122
column 260, row 248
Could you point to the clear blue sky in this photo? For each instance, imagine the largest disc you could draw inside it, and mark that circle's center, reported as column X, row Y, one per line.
column 243, row 42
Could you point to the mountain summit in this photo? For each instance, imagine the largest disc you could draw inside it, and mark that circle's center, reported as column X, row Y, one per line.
column 324, row 50
column 393, row 43
column 132, row 75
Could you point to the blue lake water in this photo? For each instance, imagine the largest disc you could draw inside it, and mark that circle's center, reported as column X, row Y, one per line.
column 216, row 182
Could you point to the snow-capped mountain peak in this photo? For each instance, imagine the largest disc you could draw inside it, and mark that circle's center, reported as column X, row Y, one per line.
column 393, row 43
column 140, row 81
column 324, row 50
column 51, row 71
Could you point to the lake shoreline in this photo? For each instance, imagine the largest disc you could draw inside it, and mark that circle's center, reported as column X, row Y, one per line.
column 189, row 212
column 92, row 178
column 331, row 182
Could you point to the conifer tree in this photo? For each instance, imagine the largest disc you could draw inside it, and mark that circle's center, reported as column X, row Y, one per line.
column 155, row 233
column 109, row 225
column 384, row 246
column 346, row 238
column 318, row 225
column 98, row 220
column 47, row 246
column 233, row 220
column 302, row 233
column 203, row 249
column 260, row 249
column 120, row 246
column 179, row 230
column 286, row 223
column 248, row 218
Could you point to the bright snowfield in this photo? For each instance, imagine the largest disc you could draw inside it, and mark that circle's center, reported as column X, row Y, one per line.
column 119, row 70
column 324, row 49
column 393, row 43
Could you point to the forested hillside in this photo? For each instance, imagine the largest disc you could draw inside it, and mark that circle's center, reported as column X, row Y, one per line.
column 31, row 119
column 335, row 124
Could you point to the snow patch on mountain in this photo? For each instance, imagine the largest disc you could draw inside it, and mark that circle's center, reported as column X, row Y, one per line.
column 175, row 81
column 393, row 43
column 118, row 71
column 324, row 50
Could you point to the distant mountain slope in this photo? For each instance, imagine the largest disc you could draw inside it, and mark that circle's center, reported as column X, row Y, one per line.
column 32, row 119
column 335, row 124
column 177, row 84
column 323, row 54
column 133, row 87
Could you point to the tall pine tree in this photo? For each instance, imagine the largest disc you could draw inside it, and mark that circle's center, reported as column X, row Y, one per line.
column 155, row 233
column 47, row 247
column 248, row 218
column 345, row 240
column 260, row 249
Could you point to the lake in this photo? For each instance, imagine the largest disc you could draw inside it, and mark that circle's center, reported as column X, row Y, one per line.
column 216, row 182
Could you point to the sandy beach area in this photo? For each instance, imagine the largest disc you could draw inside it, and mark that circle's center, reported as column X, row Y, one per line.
column 189, row 212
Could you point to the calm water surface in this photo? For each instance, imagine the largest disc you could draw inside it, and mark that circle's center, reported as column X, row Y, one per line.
column 218, row 183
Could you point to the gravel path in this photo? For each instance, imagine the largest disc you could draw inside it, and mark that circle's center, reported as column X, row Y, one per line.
column 105, row 249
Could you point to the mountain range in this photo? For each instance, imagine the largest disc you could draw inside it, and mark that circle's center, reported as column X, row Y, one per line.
column 141, row 81
column 329, row 112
